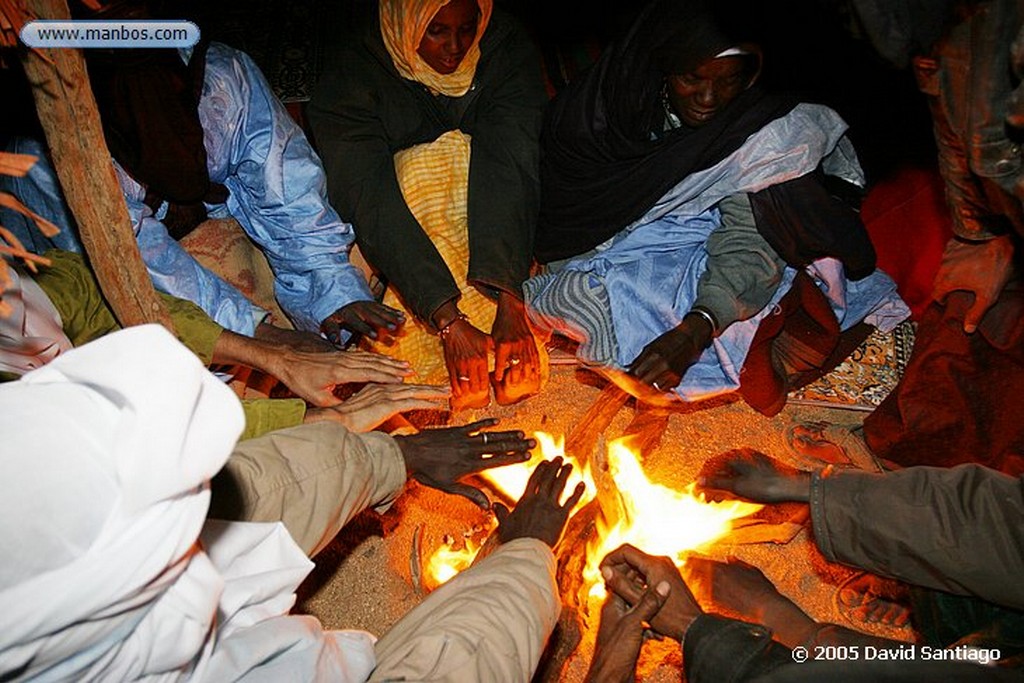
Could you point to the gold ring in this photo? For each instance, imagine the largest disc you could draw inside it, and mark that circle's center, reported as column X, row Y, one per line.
column 462, row 378
column 515, row 361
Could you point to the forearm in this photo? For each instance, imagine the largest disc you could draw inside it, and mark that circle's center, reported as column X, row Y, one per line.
column 743, row 271
column 955, row 530
column 364, row 186
column 313, row 478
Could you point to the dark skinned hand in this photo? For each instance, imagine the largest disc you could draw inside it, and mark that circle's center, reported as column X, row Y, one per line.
column 741, row 590
column 538, row 513
column 753, row 475
column 465, row 355
column 368, row 318
column 516, row 361
column 439, row 458
column 982, row 268
column 665, row 360
column 621, row 635
column 629, row 572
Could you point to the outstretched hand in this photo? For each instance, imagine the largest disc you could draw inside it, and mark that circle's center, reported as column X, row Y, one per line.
column 621, row 635
column 665, row 360
column 313, row 376
column 375, row 404
column 369, row 318
column 538, row 513
column 982, row 268
column 439, row 458
column 629, row 572
column 753, row 475
column 516, row 360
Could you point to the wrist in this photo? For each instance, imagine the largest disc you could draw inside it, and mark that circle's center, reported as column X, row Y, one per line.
column 452, row 325
column 795, row 487
column 708, row 320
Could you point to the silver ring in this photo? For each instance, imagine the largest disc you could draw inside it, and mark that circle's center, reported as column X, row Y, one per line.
column 462, row 378
column 515, row 361
column 655, row 385
column 484, row 434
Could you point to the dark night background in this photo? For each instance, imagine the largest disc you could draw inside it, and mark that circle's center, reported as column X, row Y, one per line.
column 812, row 48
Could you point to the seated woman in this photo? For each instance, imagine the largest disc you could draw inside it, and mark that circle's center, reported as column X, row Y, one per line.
column 400, row 108
column 681, row 203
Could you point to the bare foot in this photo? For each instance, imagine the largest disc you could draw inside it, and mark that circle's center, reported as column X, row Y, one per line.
column 866, row 598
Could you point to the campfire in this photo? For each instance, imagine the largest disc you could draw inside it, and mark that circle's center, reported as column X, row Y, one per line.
column 627, row 508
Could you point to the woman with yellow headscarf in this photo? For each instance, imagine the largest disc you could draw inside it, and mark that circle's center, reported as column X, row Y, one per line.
column 428, row 116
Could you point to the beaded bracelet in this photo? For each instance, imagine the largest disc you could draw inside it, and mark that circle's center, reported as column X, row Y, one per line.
column 447, row 329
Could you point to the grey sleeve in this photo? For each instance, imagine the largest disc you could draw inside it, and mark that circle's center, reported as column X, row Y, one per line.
column 743, row 270
column 956, row 530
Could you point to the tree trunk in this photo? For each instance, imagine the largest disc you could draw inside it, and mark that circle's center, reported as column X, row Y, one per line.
column 67, row 111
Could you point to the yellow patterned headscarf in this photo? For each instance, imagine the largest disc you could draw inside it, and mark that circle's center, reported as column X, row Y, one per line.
column 402, row 25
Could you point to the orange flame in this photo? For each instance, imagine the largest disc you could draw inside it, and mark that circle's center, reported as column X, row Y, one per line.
column 655, row 518
column 652, row 517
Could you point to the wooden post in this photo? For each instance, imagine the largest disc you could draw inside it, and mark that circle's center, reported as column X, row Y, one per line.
column 67, row 111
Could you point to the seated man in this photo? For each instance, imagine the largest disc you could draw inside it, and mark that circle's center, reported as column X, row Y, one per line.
column 61, row 307
column 112, row 571
column 201, row 134
column 957, row 531
column 695, row 224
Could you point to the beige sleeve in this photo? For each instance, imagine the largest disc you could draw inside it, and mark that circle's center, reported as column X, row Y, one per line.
column 313, row 478
column 489, row 623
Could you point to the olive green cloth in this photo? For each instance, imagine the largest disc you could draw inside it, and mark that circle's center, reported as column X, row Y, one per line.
column 85, row 316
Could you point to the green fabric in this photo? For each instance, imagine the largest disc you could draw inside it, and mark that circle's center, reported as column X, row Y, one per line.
column 85, row 315
column 264, row 415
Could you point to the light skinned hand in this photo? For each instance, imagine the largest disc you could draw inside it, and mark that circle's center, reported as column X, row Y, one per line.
column 621, row 635
column 313, row 376
column 439, row 458
column 465, row 355
column 368, row 318
column 516, row 360
column 982, row 268
column 375, row 404
column 753, row 475
column 538, row 513
column 628, row 572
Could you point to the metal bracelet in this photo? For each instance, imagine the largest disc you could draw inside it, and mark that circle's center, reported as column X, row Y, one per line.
column 706, row 315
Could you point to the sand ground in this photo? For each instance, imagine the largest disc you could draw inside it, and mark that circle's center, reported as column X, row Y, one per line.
column 364, row 579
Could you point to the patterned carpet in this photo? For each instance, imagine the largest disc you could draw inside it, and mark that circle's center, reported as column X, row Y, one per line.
column 863, row 380
column 284, row 39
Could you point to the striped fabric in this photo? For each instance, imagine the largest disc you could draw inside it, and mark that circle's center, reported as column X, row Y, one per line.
column 434, row 178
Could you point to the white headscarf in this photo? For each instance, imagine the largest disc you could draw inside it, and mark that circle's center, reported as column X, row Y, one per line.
column 106, row 455
column 403, row 24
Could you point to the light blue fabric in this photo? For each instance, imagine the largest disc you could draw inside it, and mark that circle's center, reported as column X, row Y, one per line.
column 651, row 269
column 277, row 193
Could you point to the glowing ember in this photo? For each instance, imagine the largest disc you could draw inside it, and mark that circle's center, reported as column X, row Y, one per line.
column 652, row 517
